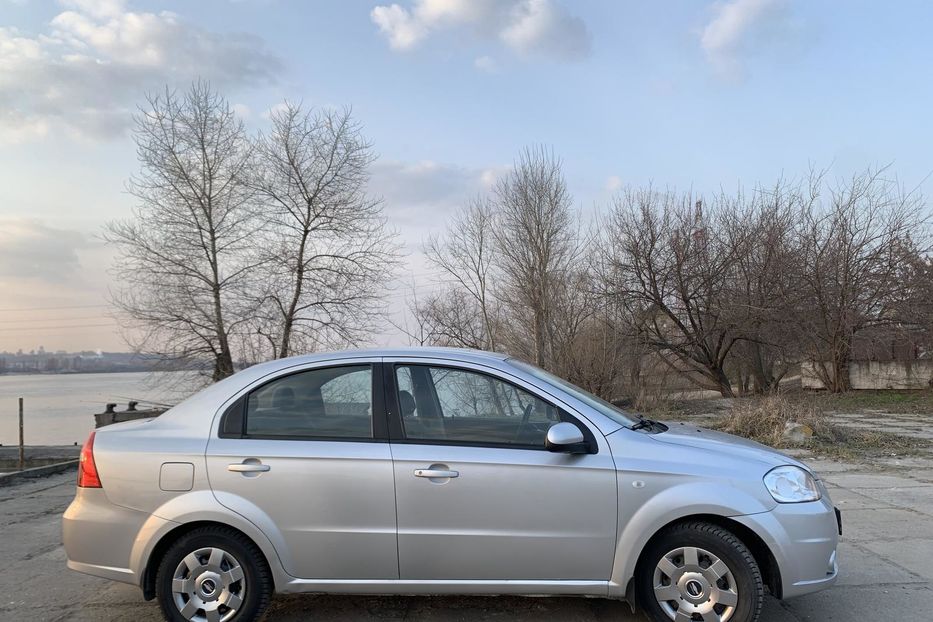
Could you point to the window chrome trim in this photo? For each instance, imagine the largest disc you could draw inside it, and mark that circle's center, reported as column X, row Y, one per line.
column 378, row 419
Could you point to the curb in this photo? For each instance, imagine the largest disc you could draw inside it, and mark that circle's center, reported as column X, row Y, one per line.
column 8, row 479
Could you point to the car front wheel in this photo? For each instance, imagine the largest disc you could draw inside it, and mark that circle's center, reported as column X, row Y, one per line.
column 699, row 571
column 213, row 574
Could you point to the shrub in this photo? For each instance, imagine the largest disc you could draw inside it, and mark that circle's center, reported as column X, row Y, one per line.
column 765, row 419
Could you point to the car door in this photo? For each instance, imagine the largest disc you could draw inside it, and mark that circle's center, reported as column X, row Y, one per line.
column 305, row 456
column 478, row 495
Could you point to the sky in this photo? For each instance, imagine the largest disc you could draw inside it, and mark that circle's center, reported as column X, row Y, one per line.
column 685, row 94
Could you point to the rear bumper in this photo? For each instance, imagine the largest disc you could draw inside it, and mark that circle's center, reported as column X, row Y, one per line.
column 123, row 575
column 803, row 538
column 100, row 537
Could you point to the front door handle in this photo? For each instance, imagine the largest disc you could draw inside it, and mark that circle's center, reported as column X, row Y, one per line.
column 247, row 467
column 436, row 473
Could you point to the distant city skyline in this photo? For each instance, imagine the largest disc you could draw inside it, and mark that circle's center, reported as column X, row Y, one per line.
column 62, row 362
column 683, row 94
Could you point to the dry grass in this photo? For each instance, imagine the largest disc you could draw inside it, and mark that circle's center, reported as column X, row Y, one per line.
column 654, row 405
column 764, row 419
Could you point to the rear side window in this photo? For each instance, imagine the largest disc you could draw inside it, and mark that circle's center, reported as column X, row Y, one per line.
column 330, row 402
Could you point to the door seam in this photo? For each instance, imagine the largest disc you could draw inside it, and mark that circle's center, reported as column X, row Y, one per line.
column 398, row 561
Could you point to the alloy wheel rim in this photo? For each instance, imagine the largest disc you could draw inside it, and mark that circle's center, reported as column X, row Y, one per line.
column 208, row 585
column 692, row 584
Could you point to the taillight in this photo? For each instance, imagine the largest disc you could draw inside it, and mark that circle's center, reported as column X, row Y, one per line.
column 87, row 470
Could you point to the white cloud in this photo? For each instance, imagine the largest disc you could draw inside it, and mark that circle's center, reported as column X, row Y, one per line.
column 738, row 27
column 86, row 72
column 16, row 128
column 402, row 29
column 487, row 64
column 242, row 111
column 276, row 108
column 97, row 8
column 542, row 27
column 420, row 196
column 527, row 27
column 613, row 183
column 30, row 249
column 490, row 176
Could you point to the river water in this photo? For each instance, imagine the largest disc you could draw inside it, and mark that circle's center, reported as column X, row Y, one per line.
column 59, row 408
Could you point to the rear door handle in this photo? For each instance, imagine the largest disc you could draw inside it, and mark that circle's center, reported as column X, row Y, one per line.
column 438, row 473
column 248, row 468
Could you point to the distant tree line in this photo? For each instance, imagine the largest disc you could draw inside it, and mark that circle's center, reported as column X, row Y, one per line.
column 731, row 291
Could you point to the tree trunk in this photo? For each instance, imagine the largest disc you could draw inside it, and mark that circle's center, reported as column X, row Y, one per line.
column 223, row 364
column 223, row 360
column 840, row 378
column 289, row 323
column 539, row 337
column 718, row 375
column 763, row 374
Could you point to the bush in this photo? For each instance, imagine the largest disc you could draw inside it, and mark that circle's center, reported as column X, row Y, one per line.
column 765, row 419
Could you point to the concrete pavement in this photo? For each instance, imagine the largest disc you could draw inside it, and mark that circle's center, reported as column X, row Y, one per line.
column 886, row 559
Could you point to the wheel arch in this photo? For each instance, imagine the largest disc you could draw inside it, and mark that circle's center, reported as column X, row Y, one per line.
column 767, row 564
column 148, row 575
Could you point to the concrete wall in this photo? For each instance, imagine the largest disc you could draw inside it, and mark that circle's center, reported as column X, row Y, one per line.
column 877, row 375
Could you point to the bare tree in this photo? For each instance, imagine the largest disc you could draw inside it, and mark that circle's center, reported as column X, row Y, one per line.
column 537, row 244
column 766, row 294
column 328, row 252
column 586, row 348
column 851, row 259
column 914, row 302
column 513, row 272
column 453, row 319
column 183, row 257
column 415, row 324
column 466, row 256
column 739, row 287
column 447, row 317
column 666, row 263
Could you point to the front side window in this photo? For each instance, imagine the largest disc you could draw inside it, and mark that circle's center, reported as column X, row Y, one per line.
column 447, row 404
column 596, row 403
column 330, row 402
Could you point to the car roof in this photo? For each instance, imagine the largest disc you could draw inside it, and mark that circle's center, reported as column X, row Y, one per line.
column 423, row 351
column 460, row 354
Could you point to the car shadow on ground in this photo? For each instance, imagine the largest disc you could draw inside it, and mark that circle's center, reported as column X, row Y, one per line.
column 450, row 608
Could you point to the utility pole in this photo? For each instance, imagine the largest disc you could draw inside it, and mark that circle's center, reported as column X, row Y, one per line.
column 22, row 453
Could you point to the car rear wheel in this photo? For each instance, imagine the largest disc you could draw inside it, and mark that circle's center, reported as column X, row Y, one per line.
column 213, row 574
column 699, row 572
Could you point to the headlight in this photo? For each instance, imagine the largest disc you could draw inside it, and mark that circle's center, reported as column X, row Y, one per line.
column 790, row 484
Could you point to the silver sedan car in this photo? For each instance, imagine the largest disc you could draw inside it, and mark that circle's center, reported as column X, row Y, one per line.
column 440, row 471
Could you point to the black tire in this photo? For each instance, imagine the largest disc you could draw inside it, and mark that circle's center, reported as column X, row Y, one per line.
column 258, row 579
column 719, row 542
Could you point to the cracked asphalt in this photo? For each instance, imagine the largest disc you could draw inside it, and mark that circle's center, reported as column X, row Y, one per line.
column 886, row 572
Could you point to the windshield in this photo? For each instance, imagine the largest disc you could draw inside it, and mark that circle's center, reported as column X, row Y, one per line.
column 596, row 403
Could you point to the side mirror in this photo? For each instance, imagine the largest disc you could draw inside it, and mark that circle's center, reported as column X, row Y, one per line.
column 565, row 437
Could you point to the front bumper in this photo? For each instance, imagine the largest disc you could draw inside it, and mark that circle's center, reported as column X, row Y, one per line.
column 803, row 538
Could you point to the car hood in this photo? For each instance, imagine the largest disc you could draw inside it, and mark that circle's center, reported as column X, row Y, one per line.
column 734, row 446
